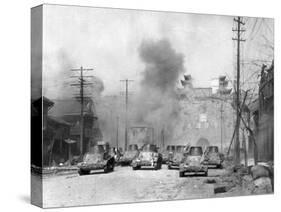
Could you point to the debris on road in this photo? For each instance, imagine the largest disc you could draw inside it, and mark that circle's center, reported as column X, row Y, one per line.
column 259, row 171
column 210, row 181
column 262, row 186
column 221, row 189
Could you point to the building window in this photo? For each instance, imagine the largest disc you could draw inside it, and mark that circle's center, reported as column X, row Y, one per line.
column 203, row 121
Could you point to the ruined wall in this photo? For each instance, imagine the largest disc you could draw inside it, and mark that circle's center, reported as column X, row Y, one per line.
column 201, row 118
column 265, row 134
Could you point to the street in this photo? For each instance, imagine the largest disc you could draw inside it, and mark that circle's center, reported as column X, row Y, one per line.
column 125, row 185
column 168, row 93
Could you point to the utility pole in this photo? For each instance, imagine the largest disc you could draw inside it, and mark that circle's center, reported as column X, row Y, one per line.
column 221, row 110
column 117, row 132
column 163, row 137
column 238, row 38
column 245, row 148
column 126, row 112
column 81, row 83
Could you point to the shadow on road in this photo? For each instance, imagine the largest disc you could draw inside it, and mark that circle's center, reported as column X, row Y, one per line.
column 173, row 168
column 147, row 169
column 95, row 173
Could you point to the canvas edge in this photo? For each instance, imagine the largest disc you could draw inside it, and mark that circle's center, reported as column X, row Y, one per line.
column 36, row 21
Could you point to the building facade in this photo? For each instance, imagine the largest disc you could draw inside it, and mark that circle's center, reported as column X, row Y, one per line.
column 262, row 111
column 69, row 110
column 205, row 116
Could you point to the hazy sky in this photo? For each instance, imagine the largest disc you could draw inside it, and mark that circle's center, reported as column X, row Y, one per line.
column 107, row 40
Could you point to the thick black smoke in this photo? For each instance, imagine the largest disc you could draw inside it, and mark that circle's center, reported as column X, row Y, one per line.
column 163, row 65
column 156, row 104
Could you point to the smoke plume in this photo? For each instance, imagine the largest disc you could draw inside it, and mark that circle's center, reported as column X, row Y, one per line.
column 163, row 65
column 156, row 104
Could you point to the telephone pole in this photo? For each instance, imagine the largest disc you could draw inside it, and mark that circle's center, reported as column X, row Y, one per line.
column 117, row 132
column 126, row 112
column 163, row 138
column 221, row 110
column 245, row 148
column 238, row 39
column 81, row 83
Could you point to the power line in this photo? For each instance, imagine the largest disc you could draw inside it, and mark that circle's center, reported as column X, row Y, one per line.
column 239, row 30
column 267, row 26
column 257, row 31
column 117, row 132
column 253, row 29
column 81, row 83
column 126, row 81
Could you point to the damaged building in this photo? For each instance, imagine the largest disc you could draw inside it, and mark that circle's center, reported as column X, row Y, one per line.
column 205, row 115
column 262, row 110
column 69, row 110
column 54, row 132
column 58, row 123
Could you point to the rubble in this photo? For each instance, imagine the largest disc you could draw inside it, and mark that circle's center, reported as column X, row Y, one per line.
column 222, row 188
column 259, row 171
column 251, row 180
column 262, row 186
column 263, row 177
column 210, row 181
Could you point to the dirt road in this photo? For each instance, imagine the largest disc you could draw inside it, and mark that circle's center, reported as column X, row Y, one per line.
column 125, row 185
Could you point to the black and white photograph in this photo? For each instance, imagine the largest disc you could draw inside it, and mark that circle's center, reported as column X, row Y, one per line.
column 132, row 106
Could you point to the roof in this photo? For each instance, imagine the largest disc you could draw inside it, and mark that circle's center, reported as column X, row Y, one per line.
column 67, row 107
column 47, row 101
column 38, row 102
column 58, row 121
column 36, row 105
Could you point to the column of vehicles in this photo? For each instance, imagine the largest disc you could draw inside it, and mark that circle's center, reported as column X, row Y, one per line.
column 193, row 159
column 187, row 159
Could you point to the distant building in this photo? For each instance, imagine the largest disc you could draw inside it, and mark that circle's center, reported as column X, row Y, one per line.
column 221, row 85
column 69, row 110
column 204, row 115
column 188, row 91
column 141, row 135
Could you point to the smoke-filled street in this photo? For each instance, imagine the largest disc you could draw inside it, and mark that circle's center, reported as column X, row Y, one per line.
column 126, row 185
column 171, row 94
